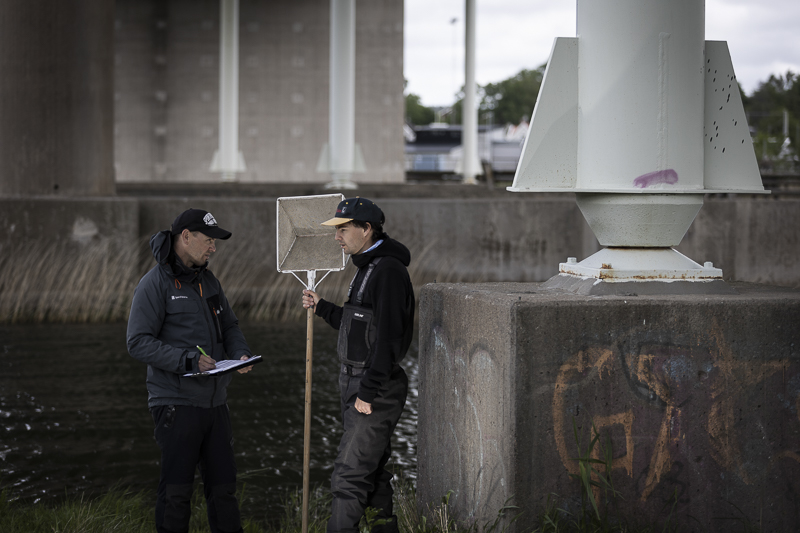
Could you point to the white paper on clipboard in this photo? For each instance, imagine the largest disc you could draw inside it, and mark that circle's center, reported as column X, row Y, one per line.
column 225, row 366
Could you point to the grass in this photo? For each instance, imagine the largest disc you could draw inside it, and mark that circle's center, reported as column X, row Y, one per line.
column 122, row 511
column 115, row 511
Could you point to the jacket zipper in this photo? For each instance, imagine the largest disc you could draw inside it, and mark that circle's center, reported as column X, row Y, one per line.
column 211, row 338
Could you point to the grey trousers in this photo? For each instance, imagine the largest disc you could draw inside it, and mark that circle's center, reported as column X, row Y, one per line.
column 359, row 477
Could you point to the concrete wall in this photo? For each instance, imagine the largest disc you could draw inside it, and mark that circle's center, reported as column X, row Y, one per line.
column 750, row 238
column 700, row 396
column 56, row 107
column 74, row 259
column 502, row 237
column 167, row 89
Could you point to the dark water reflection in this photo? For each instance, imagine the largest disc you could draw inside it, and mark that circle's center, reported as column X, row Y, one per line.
column 74, row 418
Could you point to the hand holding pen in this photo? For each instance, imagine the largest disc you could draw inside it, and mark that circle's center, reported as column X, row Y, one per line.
column 205, row 363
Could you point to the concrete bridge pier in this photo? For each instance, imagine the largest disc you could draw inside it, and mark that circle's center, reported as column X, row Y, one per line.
column 56, row 98
column 699, row 395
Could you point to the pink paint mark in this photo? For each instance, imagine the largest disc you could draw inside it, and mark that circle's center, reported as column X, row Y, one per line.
column 654, row 178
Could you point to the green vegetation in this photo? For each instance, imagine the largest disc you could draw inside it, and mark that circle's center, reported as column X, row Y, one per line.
column 115, row 511
column 511, row 100
column 594, row 479
column 765, row 114
column 416, row 113
column 504, row 102
column 125, row 512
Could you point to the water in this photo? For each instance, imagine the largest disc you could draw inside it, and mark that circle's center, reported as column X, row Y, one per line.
column 74, row 417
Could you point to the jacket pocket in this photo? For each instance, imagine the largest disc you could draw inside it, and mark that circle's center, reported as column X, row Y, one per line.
column 356, row 336
column 164, row 419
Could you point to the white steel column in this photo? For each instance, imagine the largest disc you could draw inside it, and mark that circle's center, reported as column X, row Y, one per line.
column 342, row 98
column 469, row 112
column 228, row 159
column 641, row 93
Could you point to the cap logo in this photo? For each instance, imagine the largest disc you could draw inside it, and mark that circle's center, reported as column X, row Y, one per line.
column 210, row 220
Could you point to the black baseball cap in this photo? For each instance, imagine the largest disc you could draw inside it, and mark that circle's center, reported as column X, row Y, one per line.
column 359, row 209
column 199, row 220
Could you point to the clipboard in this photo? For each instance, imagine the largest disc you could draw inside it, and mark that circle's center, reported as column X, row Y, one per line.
column 225, row 366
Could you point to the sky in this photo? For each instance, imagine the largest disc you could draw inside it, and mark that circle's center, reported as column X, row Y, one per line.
column 763, row 37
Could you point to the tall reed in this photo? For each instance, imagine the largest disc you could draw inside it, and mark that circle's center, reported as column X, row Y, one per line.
column 257, row 291
column 67, row 282
column 72, row 282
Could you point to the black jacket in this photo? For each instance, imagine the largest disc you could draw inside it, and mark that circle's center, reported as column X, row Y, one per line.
column 391, row 297
column 175, row 309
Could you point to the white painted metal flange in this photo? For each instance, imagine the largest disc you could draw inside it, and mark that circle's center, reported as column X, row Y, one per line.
column 637, row 264
column 652, row 220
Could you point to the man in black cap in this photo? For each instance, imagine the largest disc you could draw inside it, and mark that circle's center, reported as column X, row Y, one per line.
column 180, row 323
column 375, row 328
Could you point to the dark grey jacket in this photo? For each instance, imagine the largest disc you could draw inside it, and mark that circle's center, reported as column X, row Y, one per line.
column 174, row 310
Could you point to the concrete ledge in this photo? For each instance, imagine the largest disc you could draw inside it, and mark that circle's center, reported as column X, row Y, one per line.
column 700, row 396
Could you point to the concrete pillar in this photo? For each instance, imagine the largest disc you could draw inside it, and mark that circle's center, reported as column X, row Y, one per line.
column 342, row 112
column 698, row 395
column 228, row 160
column 56, row 98
column 469, row 112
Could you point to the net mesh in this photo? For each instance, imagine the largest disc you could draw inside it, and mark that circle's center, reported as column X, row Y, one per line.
column 304, row 244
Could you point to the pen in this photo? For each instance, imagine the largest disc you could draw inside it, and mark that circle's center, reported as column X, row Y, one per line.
column 202, row 351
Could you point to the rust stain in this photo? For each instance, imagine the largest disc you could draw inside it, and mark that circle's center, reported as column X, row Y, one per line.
column 684, row 275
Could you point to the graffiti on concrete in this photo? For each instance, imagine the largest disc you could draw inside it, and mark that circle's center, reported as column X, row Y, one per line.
column 676, row 401
column 467, row 383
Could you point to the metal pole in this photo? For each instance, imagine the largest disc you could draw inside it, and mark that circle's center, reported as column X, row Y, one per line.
column 312, row 274
column 469, row 113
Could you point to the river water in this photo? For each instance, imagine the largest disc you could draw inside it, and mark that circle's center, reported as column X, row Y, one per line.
column 74, row 417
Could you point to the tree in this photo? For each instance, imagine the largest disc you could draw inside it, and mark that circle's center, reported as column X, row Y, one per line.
column 764, row 109
column 512, row 99
column 416, row 113
column 507, row 101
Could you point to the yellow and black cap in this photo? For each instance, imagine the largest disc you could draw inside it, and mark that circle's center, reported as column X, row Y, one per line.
column 359, row 209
